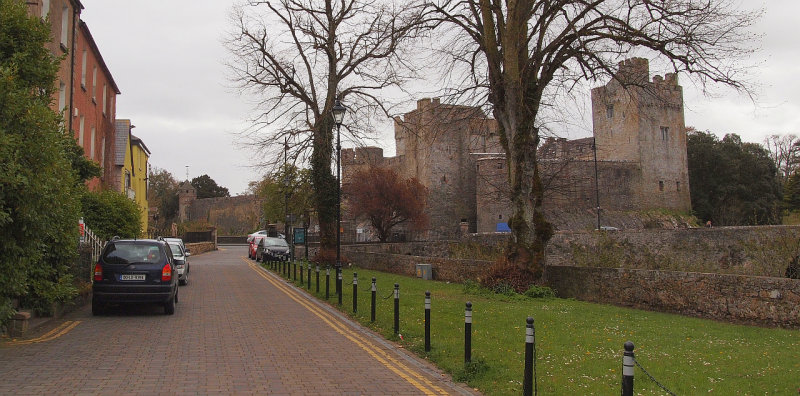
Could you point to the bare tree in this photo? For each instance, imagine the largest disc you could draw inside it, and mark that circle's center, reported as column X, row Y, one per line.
column 299, row 57
column 519, row 51
column 785, row 152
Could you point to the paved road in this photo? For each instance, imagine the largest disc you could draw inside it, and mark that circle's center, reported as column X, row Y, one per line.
column 236, row 330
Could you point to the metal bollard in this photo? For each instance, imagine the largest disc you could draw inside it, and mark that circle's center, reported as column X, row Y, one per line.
column 530, row 340
column 317, row 278
column 468, row 333
column 355, row 292
column 327, row 283
column 309, row 276
column 627, row 369
column 397, row 308
column 339, row 287
column 294, row 270
column 301, row 274
column 427, row 321
column 372, row 309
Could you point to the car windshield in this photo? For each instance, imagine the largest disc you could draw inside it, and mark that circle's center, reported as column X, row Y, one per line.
column 176, row 250
column 276, row 242
column 124, row 253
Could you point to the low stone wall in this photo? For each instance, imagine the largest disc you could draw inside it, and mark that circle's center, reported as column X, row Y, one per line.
column 731, row 298
column 200, row 247
column 443, row 269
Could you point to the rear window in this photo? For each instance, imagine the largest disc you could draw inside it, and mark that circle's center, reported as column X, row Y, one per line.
column 276, row 242
column 124, row 253
column 176, row 249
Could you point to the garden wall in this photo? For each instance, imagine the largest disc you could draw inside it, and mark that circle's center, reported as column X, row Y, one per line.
column 200, row 247
column 731, row 298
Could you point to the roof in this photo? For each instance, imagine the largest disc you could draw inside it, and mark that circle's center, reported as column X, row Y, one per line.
column 137, row 141
column 122, row 130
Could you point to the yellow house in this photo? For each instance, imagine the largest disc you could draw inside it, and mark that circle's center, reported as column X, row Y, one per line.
column 131, row 160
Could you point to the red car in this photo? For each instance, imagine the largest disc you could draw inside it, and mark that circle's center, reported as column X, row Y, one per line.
column 253, row 245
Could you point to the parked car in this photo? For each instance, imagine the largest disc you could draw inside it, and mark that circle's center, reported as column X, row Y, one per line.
column 259, row 232
column 181, row 262
column 180, row 242
column 135, row 271
column 253, row 246
column 272, row 249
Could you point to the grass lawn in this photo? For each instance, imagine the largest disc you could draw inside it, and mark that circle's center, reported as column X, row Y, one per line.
column 578, row 345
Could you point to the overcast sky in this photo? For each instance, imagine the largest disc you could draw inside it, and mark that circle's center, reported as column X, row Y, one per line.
column 167, row 60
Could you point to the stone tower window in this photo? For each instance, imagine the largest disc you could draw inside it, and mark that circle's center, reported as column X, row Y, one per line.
column 660, row 185
column 664, row 133
column 678, row 186
column 610, row 111
column 500, row 217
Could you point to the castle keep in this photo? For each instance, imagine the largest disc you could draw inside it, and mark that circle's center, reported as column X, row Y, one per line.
column 639, row 142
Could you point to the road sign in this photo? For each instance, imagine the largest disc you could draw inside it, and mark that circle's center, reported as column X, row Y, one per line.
column 300, row 236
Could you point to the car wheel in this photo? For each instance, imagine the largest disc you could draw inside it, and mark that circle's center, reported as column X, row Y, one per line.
column 97, row 308
column 169, row 306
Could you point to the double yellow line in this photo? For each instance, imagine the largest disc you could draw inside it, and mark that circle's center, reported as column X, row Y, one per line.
column 407, row 373
column 60, row 330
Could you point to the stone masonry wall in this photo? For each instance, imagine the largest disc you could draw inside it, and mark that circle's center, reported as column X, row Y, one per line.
column 732, row 298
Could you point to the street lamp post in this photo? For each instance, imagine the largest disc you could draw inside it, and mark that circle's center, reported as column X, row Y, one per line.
column 338, row 116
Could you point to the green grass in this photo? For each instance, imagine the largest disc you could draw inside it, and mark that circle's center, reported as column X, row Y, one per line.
column 579, row 344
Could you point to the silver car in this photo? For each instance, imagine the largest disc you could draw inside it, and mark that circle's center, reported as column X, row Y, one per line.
column 181, row 257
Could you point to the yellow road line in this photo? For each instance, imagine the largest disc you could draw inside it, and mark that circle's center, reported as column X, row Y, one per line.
column 58, row 331
column 419, row 381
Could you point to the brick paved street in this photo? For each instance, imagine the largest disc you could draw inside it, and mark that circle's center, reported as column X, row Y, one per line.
column 236, row 330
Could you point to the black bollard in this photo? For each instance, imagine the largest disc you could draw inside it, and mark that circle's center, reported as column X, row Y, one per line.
column 301, row 274
column 468, row 333
column 372, row 309
column 327, row 283
column 397, row 308
column 627, row 369
column 355, row 292
column 309, row 276
column 427, row 321
column 317, row 268
column 530, row 340
column 339, row 285
column 294, row 270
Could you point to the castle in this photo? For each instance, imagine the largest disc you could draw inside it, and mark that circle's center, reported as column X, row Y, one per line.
column 639, row 143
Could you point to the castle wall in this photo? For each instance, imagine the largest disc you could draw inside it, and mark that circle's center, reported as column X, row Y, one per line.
column 230, row 215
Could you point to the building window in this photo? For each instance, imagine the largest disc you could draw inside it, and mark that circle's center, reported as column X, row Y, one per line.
column 105, row 94
column 64, row 26
column 83, row 71
column 62, row 97
column 610, row 111
column 91, row 144
column 45, row 8
column 94, row 85
column 80, row 133
column 678, row 186
column 664, row 133
column 660, row 185
column 500, row 217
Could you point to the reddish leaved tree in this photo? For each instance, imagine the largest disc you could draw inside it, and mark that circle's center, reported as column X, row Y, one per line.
column 387, row 200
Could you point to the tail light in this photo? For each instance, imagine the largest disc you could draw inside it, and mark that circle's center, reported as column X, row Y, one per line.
column 166, row 273
column 98, row 272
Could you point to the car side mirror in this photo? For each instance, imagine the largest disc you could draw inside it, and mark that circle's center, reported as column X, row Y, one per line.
column 188, row 253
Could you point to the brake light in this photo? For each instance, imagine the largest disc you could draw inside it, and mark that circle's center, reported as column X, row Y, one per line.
column 98, row 272
column 166, row 273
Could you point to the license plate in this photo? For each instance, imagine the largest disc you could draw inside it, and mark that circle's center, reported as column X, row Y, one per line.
column 132, row 277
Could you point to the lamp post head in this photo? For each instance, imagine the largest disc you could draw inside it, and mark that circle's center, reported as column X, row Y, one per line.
column 338, row 112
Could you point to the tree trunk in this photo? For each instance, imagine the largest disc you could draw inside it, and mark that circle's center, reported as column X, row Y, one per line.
column 324, row 183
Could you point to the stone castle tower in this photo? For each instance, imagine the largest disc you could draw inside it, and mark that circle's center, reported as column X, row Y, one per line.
column 187, row 194
column 641, row 122
column 455, row 152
